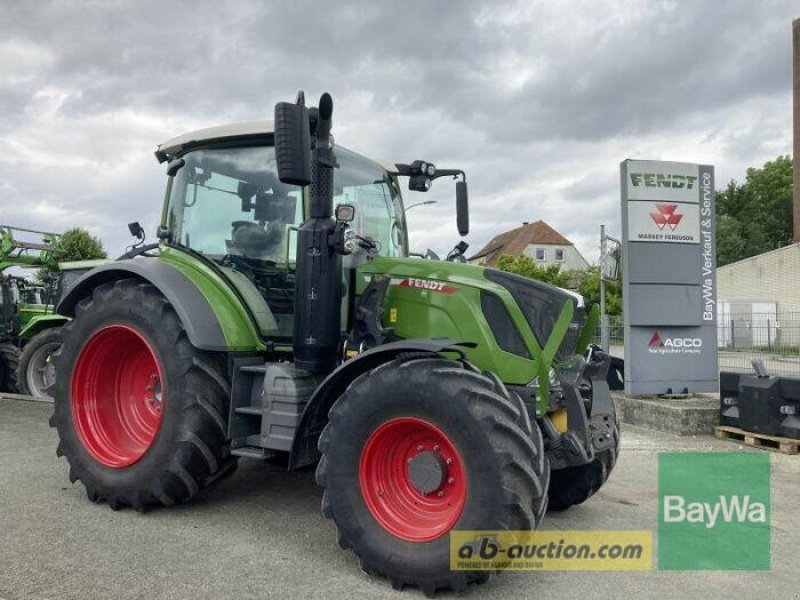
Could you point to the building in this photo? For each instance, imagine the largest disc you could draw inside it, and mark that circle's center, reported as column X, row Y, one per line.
column 758, row 299
column 539, row 241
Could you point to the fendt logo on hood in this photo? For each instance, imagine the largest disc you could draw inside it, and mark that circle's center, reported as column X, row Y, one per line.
column 667, row 215
column 674, row 345
column 426, row 284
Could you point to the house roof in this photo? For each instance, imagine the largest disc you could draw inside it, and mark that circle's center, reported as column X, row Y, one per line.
column 515, row 241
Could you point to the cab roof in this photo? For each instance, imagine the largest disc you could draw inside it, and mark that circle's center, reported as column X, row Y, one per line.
column 230, row 132
column 216, row 134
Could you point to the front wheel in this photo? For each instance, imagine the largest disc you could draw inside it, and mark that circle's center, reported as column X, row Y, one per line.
column 574, row 485
column 417, row 448
column 37, row 370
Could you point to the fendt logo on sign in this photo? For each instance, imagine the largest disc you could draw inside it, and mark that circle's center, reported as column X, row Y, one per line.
column 667, row 215
column 663, row 180
column 674, row 345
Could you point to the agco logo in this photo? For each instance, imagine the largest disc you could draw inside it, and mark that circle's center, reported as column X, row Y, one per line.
column 667, row 215
column 674, row 345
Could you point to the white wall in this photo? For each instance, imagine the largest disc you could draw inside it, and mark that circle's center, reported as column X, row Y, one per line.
column 572, row 258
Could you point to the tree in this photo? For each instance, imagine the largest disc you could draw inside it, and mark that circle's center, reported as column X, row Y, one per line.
column 74, row 244
column 756, row 216
column 525, row 266
column 588, row 286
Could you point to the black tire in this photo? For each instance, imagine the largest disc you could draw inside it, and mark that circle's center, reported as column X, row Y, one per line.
column 189, row 450
column 505, row 466
column 37, row 353
column 616, row 374
column 574, row 485
column 9, row 362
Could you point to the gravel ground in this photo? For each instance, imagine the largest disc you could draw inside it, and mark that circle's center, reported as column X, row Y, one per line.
column 260, row 534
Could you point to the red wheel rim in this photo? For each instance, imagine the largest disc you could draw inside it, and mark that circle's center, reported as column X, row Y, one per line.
column 117, row 396
column 388, row 486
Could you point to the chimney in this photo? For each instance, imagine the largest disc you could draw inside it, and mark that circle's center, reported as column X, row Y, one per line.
column 796, row 97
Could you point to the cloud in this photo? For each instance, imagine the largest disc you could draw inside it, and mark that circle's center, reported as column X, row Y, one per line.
column 537, row 101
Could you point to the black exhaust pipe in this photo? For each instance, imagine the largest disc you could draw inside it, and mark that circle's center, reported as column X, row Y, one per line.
column 318, row 292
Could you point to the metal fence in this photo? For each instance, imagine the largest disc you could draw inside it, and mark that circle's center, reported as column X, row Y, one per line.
column 773, row 337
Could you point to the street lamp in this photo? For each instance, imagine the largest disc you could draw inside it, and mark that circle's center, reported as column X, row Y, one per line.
column 424, row 203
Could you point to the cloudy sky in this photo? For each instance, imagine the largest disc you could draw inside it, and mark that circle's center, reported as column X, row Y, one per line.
column 537, row 101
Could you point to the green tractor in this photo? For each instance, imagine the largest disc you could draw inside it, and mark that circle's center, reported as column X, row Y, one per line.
column 281, row 314
column 21, row 301
column 40, row 335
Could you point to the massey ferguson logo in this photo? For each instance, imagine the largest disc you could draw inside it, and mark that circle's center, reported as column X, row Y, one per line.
column 427, row 284
column 667, row 215
column 674, row 345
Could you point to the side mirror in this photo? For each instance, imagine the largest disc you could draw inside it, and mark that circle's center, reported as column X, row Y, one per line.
column 610, row 260
column 462, row 208
column 293, row 142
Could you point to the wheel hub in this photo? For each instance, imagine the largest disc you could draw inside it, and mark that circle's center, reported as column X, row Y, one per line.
column 427, row 471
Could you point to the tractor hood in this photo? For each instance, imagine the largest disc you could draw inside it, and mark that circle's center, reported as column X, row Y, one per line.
column 430, row 298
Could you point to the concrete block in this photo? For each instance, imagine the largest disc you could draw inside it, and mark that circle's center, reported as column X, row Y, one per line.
column 695, row 415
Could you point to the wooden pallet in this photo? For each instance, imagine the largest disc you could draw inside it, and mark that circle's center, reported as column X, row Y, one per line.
column 783, row 445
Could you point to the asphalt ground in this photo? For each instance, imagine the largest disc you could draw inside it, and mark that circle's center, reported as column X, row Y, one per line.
column 260, row 534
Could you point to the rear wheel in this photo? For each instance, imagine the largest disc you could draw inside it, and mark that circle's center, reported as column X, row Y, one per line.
column 418, row 447
column 141, row 414
column 9, row 363
column 37, row 371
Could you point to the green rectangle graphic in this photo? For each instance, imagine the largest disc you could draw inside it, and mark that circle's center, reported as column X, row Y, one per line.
column 714, row 511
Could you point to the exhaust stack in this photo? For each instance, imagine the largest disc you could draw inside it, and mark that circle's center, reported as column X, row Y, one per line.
column 318, row 294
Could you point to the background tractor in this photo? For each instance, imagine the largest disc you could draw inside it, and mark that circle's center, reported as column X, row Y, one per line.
column 21, row 300
column 40, row 335
column 281, row 313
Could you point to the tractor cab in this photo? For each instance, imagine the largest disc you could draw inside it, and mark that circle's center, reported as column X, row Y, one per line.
column 227, row 203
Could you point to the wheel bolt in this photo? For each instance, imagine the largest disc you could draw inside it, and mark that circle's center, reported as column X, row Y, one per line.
column 420, row 448
column 449, row 461
column 436, row 448
column 451, row 480
column 440, row 493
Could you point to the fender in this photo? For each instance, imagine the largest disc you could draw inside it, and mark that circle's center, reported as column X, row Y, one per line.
column 41, row 322
column 315, row 416
column 198, row 318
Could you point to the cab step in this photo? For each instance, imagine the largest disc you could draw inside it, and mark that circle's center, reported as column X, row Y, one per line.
column 251, row 452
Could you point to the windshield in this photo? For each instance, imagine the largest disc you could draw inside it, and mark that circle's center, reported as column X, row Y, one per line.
column 229, row 204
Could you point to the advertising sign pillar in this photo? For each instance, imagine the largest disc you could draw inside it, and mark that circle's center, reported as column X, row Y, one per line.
column 669, row 277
